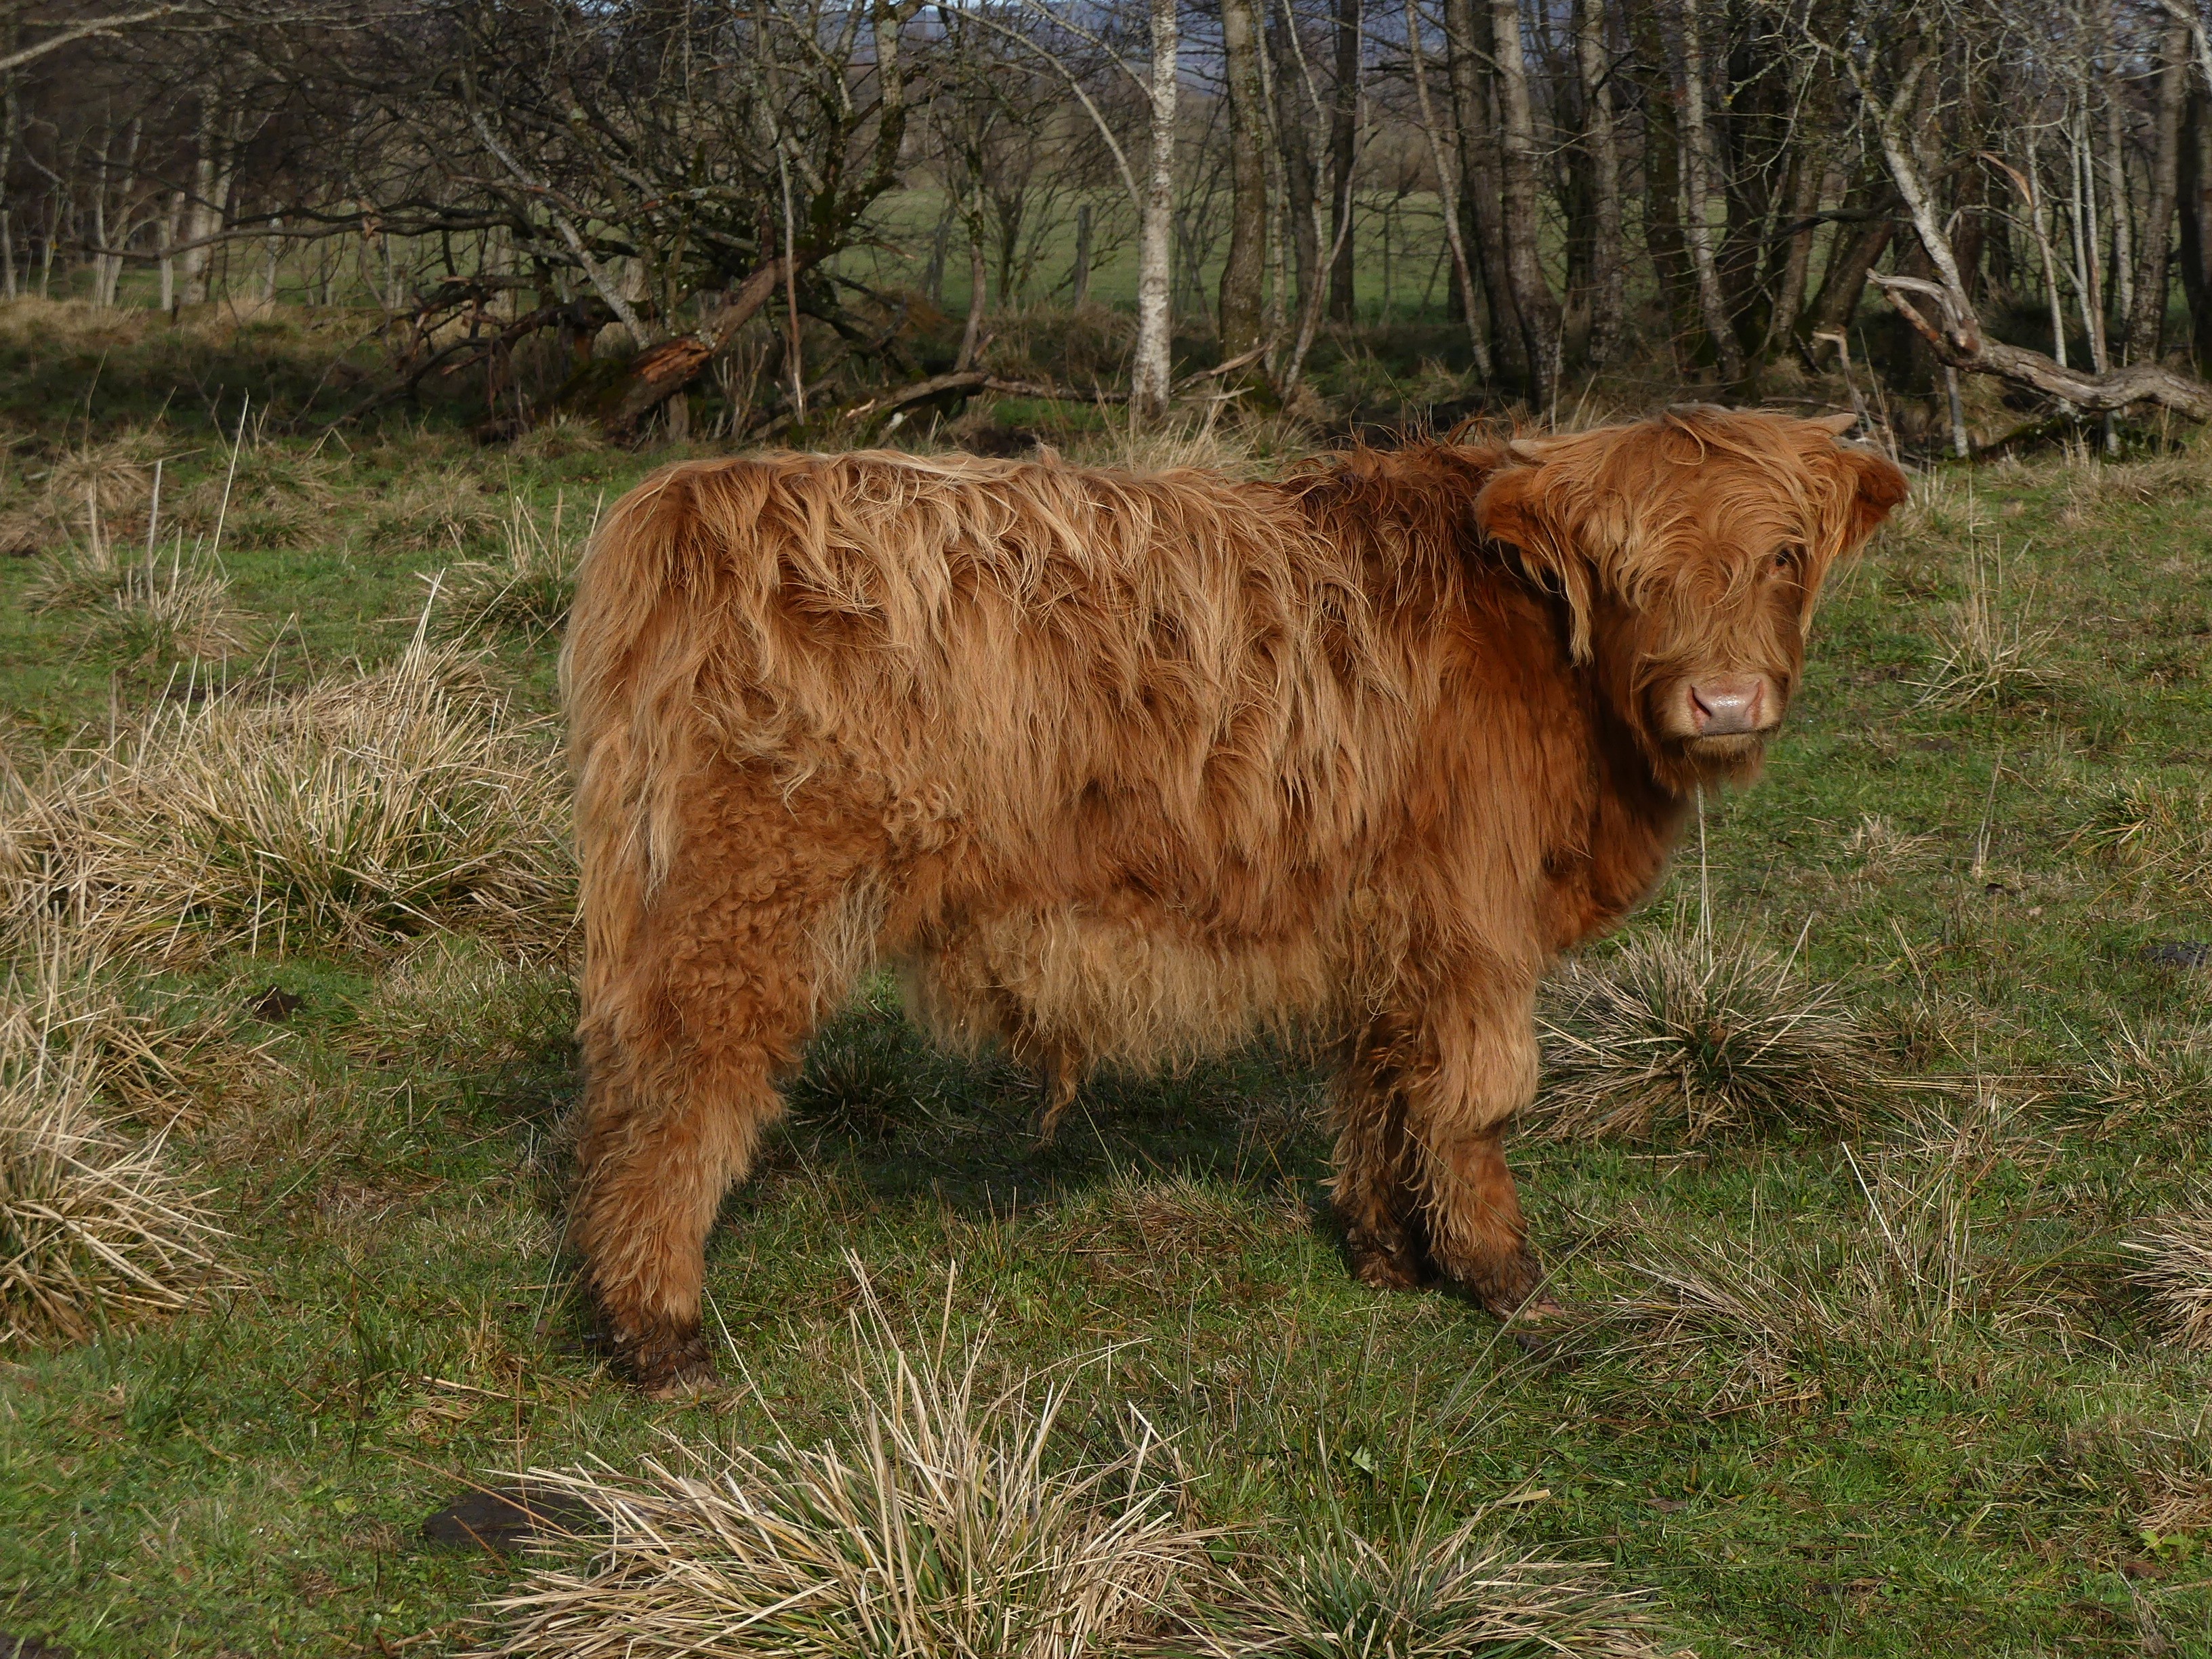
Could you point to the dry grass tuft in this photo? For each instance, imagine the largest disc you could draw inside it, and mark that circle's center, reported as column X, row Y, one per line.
column 99, row 490
column 563, row 435
column 268, row 496
column 1677, row 1030
column 1769, row 1306
column 357, row 811
column 527, row 587
column 941, row 1523
column 2094, row 485
column 1338, row 1595
column 152, row 1057
column 2160, row 825
column 448, row 510
column 1982, row 655
column 2150, row 1070
column 1943, row 509
column 1236, row 450
column 92, row 1228
column 1882, row 851
column 2176, row 1271
column 171, row 612
column 142, row 611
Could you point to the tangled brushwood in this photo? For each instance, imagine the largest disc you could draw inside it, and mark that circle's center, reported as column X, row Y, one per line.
column 943, row 1522
column 93, row 1227
column 1678, row 1031
column 2176, row 1272
column 353, row 812
column 1338, row 1595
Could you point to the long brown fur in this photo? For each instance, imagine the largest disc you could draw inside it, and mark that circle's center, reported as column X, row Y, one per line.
column 1118, row 769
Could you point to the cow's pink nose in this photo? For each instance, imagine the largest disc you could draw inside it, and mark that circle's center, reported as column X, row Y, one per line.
column 1729, row 707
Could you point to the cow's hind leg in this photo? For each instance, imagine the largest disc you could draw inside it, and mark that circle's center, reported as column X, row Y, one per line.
column 717, row 992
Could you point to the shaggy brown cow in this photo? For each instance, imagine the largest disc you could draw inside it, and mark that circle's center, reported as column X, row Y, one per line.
column 1121, row 768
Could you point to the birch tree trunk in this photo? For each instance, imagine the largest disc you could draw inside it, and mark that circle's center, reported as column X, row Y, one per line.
column 1693, row 160
column 1343, row 155
column 1608, row 270
column 1467, row 41
column 2195, row 193
column 1153, row 369
column 1243, row 272
column 1297, row 145
column 11, row 117
column 1447, row 193
column 2145, row 322
column 2123, row 284
column 1535, row 308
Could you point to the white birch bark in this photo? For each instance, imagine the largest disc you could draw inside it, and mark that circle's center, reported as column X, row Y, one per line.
column 1154, row 367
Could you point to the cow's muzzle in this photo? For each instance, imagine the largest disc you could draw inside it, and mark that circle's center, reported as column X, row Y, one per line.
column 1732, row 706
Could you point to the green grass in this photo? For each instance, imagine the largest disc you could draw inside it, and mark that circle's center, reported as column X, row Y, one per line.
column 1941, row 1430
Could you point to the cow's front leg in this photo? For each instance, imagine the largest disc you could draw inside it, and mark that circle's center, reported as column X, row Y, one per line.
column 1459, row 1061
column 1374, row 1190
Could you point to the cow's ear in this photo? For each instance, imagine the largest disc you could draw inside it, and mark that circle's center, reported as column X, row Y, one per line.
column 1521, row 507
column 1877, row 484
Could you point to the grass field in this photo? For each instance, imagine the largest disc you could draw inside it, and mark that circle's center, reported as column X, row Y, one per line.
column 1875, row 1369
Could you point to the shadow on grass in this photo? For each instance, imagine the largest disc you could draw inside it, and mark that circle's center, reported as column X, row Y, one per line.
column 875, row 1104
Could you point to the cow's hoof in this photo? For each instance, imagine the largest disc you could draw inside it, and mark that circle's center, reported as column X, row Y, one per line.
column 1537, row 1326
column 1380, row 1268
column 669, row 1364
column 1510, row 1287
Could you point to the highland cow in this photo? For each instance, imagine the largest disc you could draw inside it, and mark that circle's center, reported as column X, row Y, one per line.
column 1120, row 768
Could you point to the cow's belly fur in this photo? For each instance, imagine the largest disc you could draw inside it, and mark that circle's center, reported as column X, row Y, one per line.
column 1127, row 991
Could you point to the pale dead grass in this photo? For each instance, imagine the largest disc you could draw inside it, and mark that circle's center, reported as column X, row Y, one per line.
column 1337, row 1593
column 1678, row 1031
column 157, row 1058
column 1882, row 852
column 1985, row 651
column 2093, row 486
column 93, row 1227
column 1755, row 1317
column 1211, row 443
column 357, row 811
column 559, row 437
column 944, row 1522
column 2154, row 1069
column 455, row 1000
column 140, row 611
column 169, row 612
column 94, row 491
column 1940, row 510
column 2159, row 825
column 1180, row 1217
column 2175, row 1271
column 440, row 510
column 268, row 495
column 527, row 585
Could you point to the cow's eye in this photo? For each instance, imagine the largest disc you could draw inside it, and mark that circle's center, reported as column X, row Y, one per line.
column 1786, row 558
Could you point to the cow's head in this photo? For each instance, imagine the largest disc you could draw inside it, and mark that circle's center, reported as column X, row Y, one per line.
column 1690, row 550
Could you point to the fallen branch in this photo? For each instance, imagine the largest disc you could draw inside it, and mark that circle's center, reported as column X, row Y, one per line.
column 1959, row 343
column 966, row 382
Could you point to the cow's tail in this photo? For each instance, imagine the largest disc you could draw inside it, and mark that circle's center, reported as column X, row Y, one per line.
column 640, row 633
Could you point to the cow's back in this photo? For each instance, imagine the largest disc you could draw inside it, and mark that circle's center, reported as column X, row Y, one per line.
column 1073, row 679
